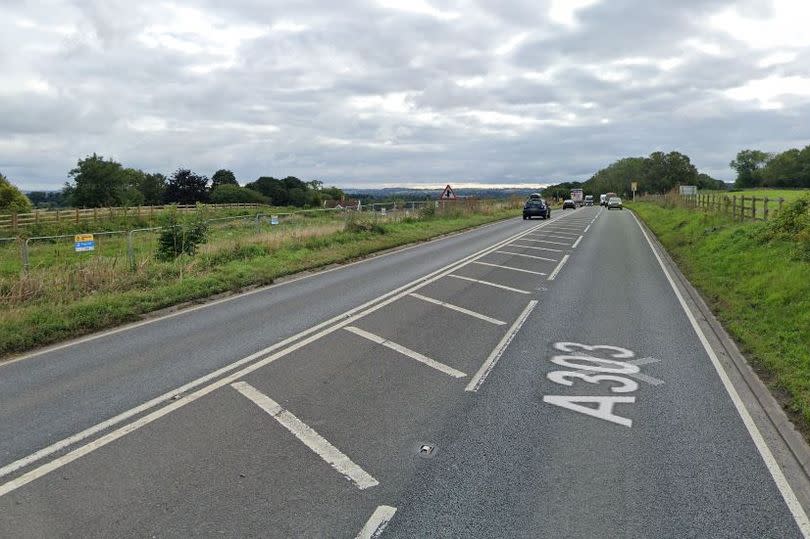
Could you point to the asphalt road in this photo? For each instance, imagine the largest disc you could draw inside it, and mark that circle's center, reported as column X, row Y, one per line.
column 526, row 379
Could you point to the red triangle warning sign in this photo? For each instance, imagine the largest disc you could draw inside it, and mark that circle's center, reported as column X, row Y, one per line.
column 448, row 193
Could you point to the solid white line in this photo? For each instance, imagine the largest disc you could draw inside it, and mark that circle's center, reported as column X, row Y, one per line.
column 343, row 319
column 317, row 443
column 446, row 369
column 481, row 376
column 586, row 228
column 377, row 522
column 460, row 309
column 770, row 462
column 527, row 256
column 509, row 267
column 549, row 249
column 558, row 268
column 579, row 239
column 487, row 283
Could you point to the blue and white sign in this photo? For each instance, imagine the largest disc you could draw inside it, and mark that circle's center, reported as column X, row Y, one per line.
column 274, row 219
column 83, row 243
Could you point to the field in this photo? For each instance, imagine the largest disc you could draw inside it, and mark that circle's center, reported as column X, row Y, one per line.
column 66, row 294
column 788, row 194
column 757, row 283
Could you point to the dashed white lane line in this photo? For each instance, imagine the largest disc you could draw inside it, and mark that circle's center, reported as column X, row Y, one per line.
column 488, row 283
column 579, row 239
column 586, row 228
column 526, row 256
column 460, row 309
column 377, row 522
column 536, row 248
column 558, row 268
column 314, row 441
column 481, row 376
column 446, row 369
column 509, row 268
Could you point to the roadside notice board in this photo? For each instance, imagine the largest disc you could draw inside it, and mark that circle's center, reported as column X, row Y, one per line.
column 634, row 186
column 688, row 189
column 84, row 242
column 274, row 219
column 382, row 211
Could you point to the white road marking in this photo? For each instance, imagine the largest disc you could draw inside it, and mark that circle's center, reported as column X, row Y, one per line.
column 586, row 228
column 460, row 309
column 560, row 236
column 342, row 320
column 481, row 376
column 488, row 283
column 765, row 452
column 553, row 233
column 314, row 441
column 577, row 229
column 446, row 369
column 509, row 268
column 552, row 242
column 558, row 268
column 526, row 256
column 377, row 522
column 549, row 249
column 637, row 375
column 579, row 239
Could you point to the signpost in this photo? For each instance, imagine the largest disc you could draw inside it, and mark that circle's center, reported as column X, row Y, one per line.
column 634, row 188
column 274, row 219
column 688, row 190
column 448, row 193
column 84, row 242
column 382, row 211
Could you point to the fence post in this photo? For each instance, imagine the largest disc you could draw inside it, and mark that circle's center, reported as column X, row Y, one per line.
column 24, row 251
column 781, row 200
column 754, row 208
column 14, row 222
column 765, row 209
column 734, row 207
column 130, row 251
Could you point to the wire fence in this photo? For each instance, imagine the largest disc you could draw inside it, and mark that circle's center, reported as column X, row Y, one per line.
column 739, row 208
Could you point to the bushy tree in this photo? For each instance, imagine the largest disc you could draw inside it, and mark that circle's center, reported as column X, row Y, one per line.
column 152, row 187
column 748, row 165
column 12, row 200
column 223, row 177
column 186, row 187
column 181, row 234
column 97, row 182
column 229, row 194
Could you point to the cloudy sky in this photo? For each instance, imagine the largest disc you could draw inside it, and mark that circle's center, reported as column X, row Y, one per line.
column 394, row 92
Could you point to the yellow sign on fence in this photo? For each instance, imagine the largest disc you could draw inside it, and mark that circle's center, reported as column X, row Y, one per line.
column 82, row 237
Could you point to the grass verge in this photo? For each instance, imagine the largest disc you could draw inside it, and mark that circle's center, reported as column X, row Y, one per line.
column 758, row 286
column 45, row 320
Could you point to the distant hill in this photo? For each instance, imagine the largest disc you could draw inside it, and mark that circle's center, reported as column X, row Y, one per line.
column 406, row 193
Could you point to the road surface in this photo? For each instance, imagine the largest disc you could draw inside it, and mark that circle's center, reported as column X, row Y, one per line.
column 524, row 379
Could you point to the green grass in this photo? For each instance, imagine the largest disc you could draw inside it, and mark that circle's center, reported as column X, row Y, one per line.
column 788, row 194
column 65, row 301
column 758, row 287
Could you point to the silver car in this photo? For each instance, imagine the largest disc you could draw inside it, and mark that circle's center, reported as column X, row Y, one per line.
column 614, row 203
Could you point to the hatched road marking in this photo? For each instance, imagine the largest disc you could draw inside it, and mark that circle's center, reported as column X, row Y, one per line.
column 446, row 369
column 508, row 267
column 459, row 309
column 317, row 443
column 525, row 255
column 487, row 283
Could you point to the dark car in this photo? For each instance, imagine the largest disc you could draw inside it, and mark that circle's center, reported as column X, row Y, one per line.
column 536, row 208
column 569, row 204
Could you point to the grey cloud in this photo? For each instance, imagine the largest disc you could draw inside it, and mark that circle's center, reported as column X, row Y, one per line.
column 354, row 93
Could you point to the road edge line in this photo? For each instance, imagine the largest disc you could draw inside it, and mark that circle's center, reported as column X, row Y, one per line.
column 782, row 484
column 377, row 522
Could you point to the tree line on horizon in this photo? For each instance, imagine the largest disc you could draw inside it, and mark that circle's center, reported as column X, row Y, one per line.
column 788, row 169
column 97, row 182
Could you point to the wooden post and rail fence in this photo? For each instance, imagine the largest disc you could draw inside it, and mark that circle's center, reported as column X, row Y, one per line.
column 738, row 207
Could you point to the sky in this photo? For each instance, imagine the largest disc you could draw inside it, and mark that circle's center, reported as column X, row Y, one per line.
column 393, row 92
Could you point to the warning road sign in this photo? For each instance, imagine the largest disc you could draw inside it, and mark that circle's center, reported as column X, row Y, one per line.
column 448, row 193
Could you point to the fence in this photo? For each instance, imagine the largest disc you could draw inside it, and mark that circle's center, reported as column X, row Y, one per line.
column 738, row 207
column 15, row 221
column 135, row 245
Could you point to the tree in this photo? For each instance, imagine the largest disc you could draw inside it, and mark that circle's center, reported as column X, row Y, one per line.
column 97, row 183
column 272, row 188
column 223, row 177
column 186, row 187
column 152, row 187
column 12, row 200
column 228, row 194
column 748, row 165
column 333, row 193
